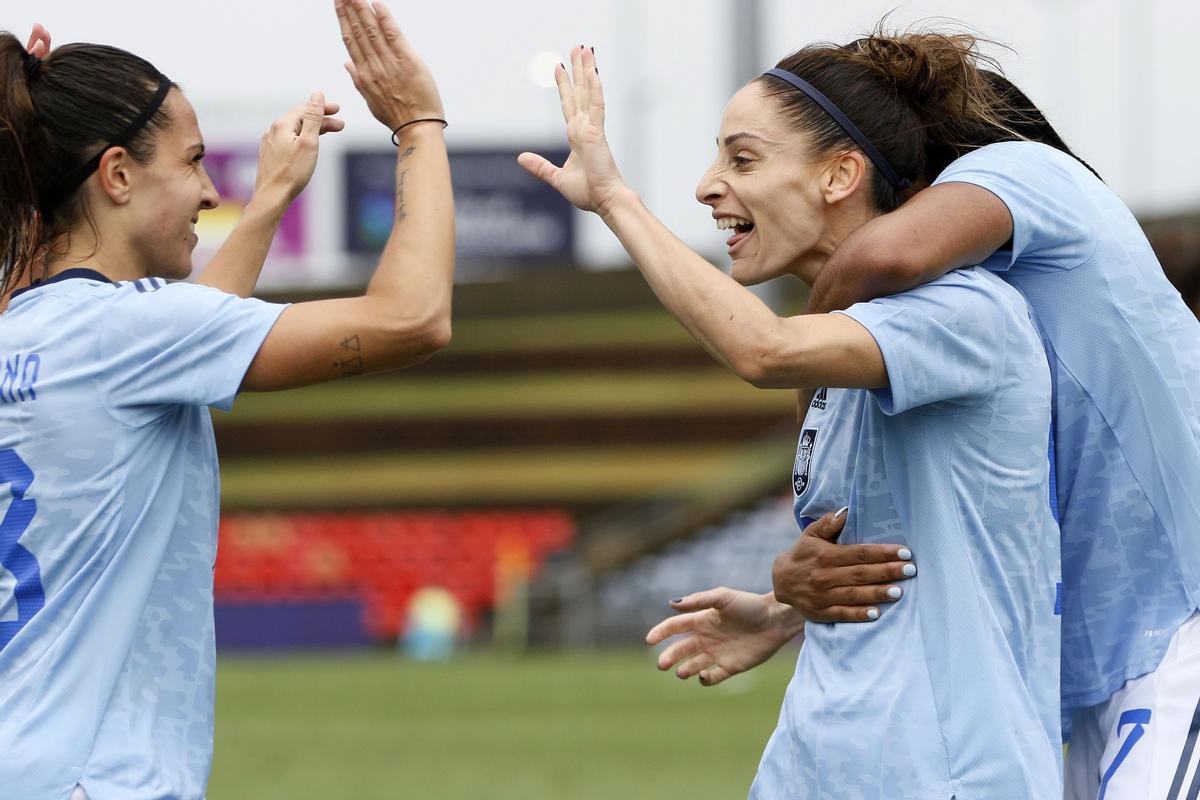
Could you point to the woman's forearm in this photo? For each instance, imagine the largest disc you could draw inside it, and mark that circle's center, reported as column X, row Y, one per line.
column 238, row 263
column 733, row 324
column 416, row 269
column 730, row 322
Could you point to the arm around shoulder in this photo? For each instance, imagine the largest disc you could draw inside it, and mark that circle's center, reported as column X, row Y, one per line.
column 941, row 228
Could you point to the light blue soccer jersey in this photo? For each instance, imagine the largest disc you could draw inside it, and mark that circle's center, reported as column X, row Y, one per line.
column 1125, row 355
column 108, row 471
column 953, row 692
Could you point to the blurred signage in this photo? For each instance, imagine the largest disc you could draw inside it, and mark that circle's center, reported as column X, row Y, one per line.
column 501, row 212
column 233, row 171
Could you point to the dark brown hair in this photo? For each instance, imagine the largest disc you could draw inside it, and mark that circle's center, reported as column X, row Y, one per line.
column 54, row 116
column 922, row 99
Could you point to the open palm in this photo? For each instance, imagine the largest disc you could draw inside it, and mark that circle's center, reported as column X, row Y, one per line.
column 589, row 179
column 722, row 633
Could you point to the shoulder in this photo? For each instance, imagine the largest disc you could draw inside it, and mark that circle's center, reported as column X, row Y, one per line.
column 967, row 292
column 1029, row 163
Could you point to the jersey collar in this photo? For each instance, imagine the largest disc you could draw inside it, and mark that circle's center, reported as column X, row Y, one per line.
column 66, row 275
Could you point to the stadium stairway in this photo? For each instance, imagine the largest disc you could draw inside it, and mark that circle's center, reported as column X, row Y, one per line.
column 588, row 406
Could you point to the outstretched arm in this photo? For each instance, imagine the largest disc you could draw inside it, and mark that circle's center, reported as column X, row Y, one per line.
column 941, row 228
column 725, row 317
column 404, row 315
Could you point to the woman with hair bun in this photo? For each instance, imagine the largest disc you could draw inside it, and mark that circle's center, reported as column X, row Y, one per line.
column 930, row 422
column 108, row 466
column 1124, row 351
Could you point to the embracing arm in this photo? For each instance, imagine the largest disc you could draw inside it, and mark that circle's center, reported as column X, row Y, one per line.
column 941, row 228
column 404, row 315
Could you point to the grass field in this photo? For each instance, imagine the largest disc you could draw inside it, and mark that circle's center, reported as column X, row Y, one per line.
column 487, row 727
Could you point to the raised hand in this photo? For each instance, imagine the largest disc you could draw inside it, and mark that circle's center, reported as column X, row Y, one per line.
column 590, row 178
column 723, row 632
column 287, row 155
column 39, row 41
column 828, row 582
column 387, row 72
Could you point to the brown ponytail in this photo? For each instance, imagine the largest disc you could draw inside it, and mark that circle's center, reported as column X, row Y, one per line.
column 55, row 114
column 922, row 98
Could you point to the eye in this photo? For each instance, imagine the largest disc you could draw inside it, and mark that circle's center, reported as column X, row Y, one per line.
column 739, row 161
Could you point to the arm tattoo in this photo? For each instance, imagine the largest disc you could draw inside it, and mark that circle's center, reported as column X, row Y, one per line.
column 401, row 209
column 404, row 156
column 351, row 362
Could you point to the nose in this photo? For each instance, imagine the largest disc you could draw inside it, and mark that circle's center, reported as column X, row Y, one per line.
column 209, row 197
column 711, row 188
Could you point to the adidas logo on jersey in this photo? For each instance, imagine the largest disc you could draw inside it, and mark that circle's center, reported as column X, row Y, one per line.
column 820, row 401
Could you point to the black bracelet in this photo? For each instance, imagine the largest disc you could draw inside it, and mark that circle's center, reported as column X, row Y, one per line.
column 414, row 122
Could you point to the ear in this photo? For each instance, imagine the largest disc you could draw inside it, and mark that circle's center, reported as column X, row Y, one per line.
column 114, row 177
column 843, row 175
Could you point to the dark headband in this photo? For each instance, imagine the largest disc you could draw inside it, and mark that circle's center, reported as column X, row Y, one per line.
column 849, row 127
column 75, row 178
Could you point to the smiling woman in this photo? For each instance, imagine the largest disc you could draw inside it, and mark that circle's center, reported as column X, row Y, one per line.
column 107, row 460
column 917, row 441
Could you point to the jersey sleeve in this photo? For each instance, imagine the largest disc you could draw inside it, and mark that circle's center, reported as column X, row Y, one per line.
column 181, row 344
column 1053, row 219
column 942, row 343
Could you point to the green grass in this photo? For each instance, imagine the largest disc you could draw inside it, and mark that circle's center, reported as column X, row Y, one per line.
column 605, row 725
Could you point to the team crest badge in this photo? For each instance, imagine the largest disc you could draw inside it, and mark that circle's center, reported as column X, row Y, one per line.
column 804, row 453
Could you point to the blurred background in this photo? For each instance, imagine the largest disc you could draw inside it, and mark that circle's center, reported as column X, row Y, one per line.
column 436, row 583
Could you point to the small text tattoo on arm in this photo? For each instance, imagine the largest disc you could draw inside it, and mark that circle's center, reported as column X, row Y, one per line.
column 401, row 209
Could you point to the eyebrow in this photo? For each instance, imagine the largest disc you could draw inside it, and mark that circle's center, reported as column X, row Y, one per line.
column 733, row 137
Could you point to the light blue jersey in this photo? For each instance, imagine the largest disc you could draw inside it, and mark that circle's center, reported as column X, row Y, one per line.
column 108, row 471
column 953, row 692
column 1125, row 355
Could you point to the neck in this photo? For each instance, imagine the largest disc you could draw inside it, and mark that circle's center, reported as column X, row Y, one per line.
column 81, row 248
column 810, row 265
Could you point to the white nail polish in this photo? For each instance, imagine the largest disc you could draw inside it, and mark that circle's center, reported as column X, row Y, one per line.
column 842, row 512
column 872, row 613
column 894, row 592
column 905, row 554
column 909, row 570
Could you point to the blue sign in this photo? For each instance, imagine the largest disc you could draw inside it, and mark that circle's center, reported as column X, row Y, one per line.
column 502, row 214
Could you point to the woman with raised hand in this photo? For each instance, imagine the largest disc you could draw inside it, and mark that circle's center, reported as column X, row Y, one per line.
column 933, row 428
column 1124, row 351
column 107, row 462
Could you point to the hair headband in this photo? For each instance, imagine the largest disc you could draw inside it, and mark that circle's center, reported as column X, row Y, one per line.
column 75, row 178
column 849, row 127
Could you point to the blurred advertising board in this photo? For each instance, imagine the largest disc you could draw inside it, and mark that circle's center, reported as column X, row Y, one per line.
column 233, row 170
column 503, row 216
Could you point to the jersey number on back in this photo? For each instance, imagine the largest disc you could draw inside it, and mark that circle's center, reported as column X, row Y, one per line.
column 13, row 557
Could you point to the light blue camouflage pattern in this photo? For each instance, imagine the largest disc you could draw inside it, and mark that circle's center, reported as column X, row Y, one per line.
column 953, row 692
column 106, row 675
column 1125, row 356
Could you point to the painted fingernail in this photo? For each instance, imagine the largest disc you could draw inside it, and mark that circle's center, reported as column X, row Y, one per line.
column 909, row 570
column 593, row 51
column 872, row 614
column 894, row 592
column 677, row 600
column 905, row 554
column 842, row 512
